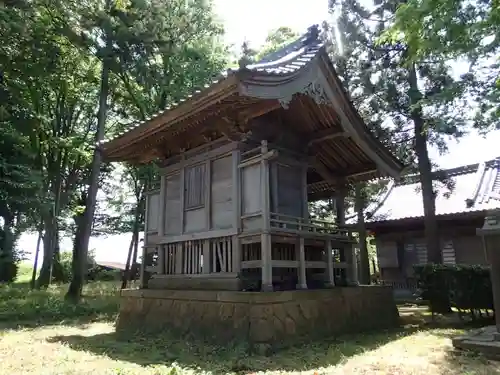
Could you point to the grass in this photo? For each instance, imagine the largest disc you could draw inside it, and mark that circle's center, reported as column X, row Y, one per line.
column 23, row 307
column 41, row 334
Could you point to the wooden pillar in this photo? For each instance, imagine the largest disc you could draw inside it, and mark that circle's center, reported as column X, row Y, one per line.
column 208, row 195
column 236, row 256
column 363, row 248
column 301, row 256
column 266, row 251
column 161, row 217
column 267, row 269
column 345, row 253
column 178, row 258
column 182, row 187
column 206, row 256
column 236, row 243
column 355, row 277
column 329, row 263
column 305, row 203
column 143, row 282
column 160, row 267
column 490, row 233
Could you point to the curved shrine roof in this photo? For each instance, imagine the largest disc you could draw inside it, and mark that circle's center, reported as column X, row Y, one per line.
column 296, row 87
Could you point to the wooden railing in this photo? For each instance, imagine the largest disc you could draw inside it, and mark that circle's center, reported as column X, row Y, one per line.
column 221, row 254
column 212, row 255
column 298, row 225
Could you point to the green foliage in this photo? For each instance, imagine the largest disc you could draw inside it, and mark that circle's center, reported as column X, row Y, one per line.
column 467, row 287
column 94, row 272
column 276, row 39
column 100, row 274
column 51, row 56
column 409, row 104
column 456, row 29
column 18, row 303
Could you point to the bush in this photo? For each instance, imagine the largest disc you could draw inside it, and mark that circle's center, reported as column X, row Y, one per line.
column 66, row 259
column 101, row 274
column 465, row 287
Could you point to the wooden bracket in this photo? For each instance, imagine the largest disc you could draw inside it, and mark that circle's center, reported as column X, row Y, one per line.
column 323, row 135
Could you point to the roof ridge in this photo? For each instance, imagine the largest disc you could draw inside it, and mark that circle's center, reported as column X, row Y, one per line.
column 408, row 179
column 312, row 35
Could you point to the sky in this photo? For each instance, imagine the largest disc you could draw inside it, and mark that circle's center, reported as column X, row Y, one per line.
column 251, row 21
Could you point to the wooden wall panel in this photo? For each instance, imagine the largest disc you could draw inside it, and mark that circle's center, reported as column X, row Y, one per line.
column 289, row 199
column 195, row 220
column 251, row 189
column 153, row 211
column 173, row 205
column 221, row 214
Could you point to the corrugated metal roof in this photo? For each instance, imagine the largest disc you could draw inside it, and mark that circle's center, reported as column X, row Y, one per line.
column 476, row 188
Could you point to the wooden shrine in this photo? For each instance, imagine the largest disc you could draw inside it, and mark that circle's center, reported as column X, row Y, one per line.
column 240, row 161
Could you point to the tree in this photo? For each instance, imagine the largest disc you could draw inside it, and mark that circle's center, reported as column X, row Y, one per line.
column 276, row 39
column 155, row 55
column 411, row 104
column 80, row 253
column 47, row 98
column 456, row 29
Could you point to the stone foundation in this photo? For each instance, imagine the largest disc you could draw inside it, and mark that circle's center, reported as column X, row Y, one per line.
column 259, row 318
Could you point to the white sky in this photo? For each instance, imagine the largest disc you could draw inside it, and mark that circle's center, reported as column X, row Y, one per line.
column 251, row 21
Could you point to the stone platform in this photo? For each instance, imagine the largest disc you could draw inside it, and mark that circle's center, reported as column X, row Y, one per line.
column 257, row 317
column 485, row 341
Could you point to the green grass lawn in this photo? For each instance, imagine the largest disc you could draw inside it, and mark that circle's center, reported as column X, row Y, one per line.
column 41, row 334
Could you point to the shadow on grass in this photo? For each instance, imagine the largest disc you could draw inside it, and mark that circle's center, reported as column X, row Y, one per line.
column 165, row 350
column 21, row 307
column 469, row 362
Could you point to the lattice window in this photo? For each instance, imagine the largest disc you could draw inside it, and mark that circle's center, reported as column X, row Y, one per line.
column 194, row 187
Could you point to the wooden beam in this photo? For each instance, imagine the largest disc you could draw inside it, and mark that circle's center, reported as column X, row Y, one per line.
column 360, row 174
column 324, row 171
column 326, row 134
column 232, row 130
column 257, row 110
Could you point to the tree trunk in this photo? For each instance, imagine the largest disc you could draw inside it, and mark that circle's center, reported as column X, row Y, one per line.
column 8, row 268
column 78, row 218
column 37, row 252
column 134, row 269
column 135, row 254
column 363, row 248
column 134, row 243
column 44, row 278
column 80, row 267
column 432, row 242
column 425, row 171
column 128, row 266
column 57, row 273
